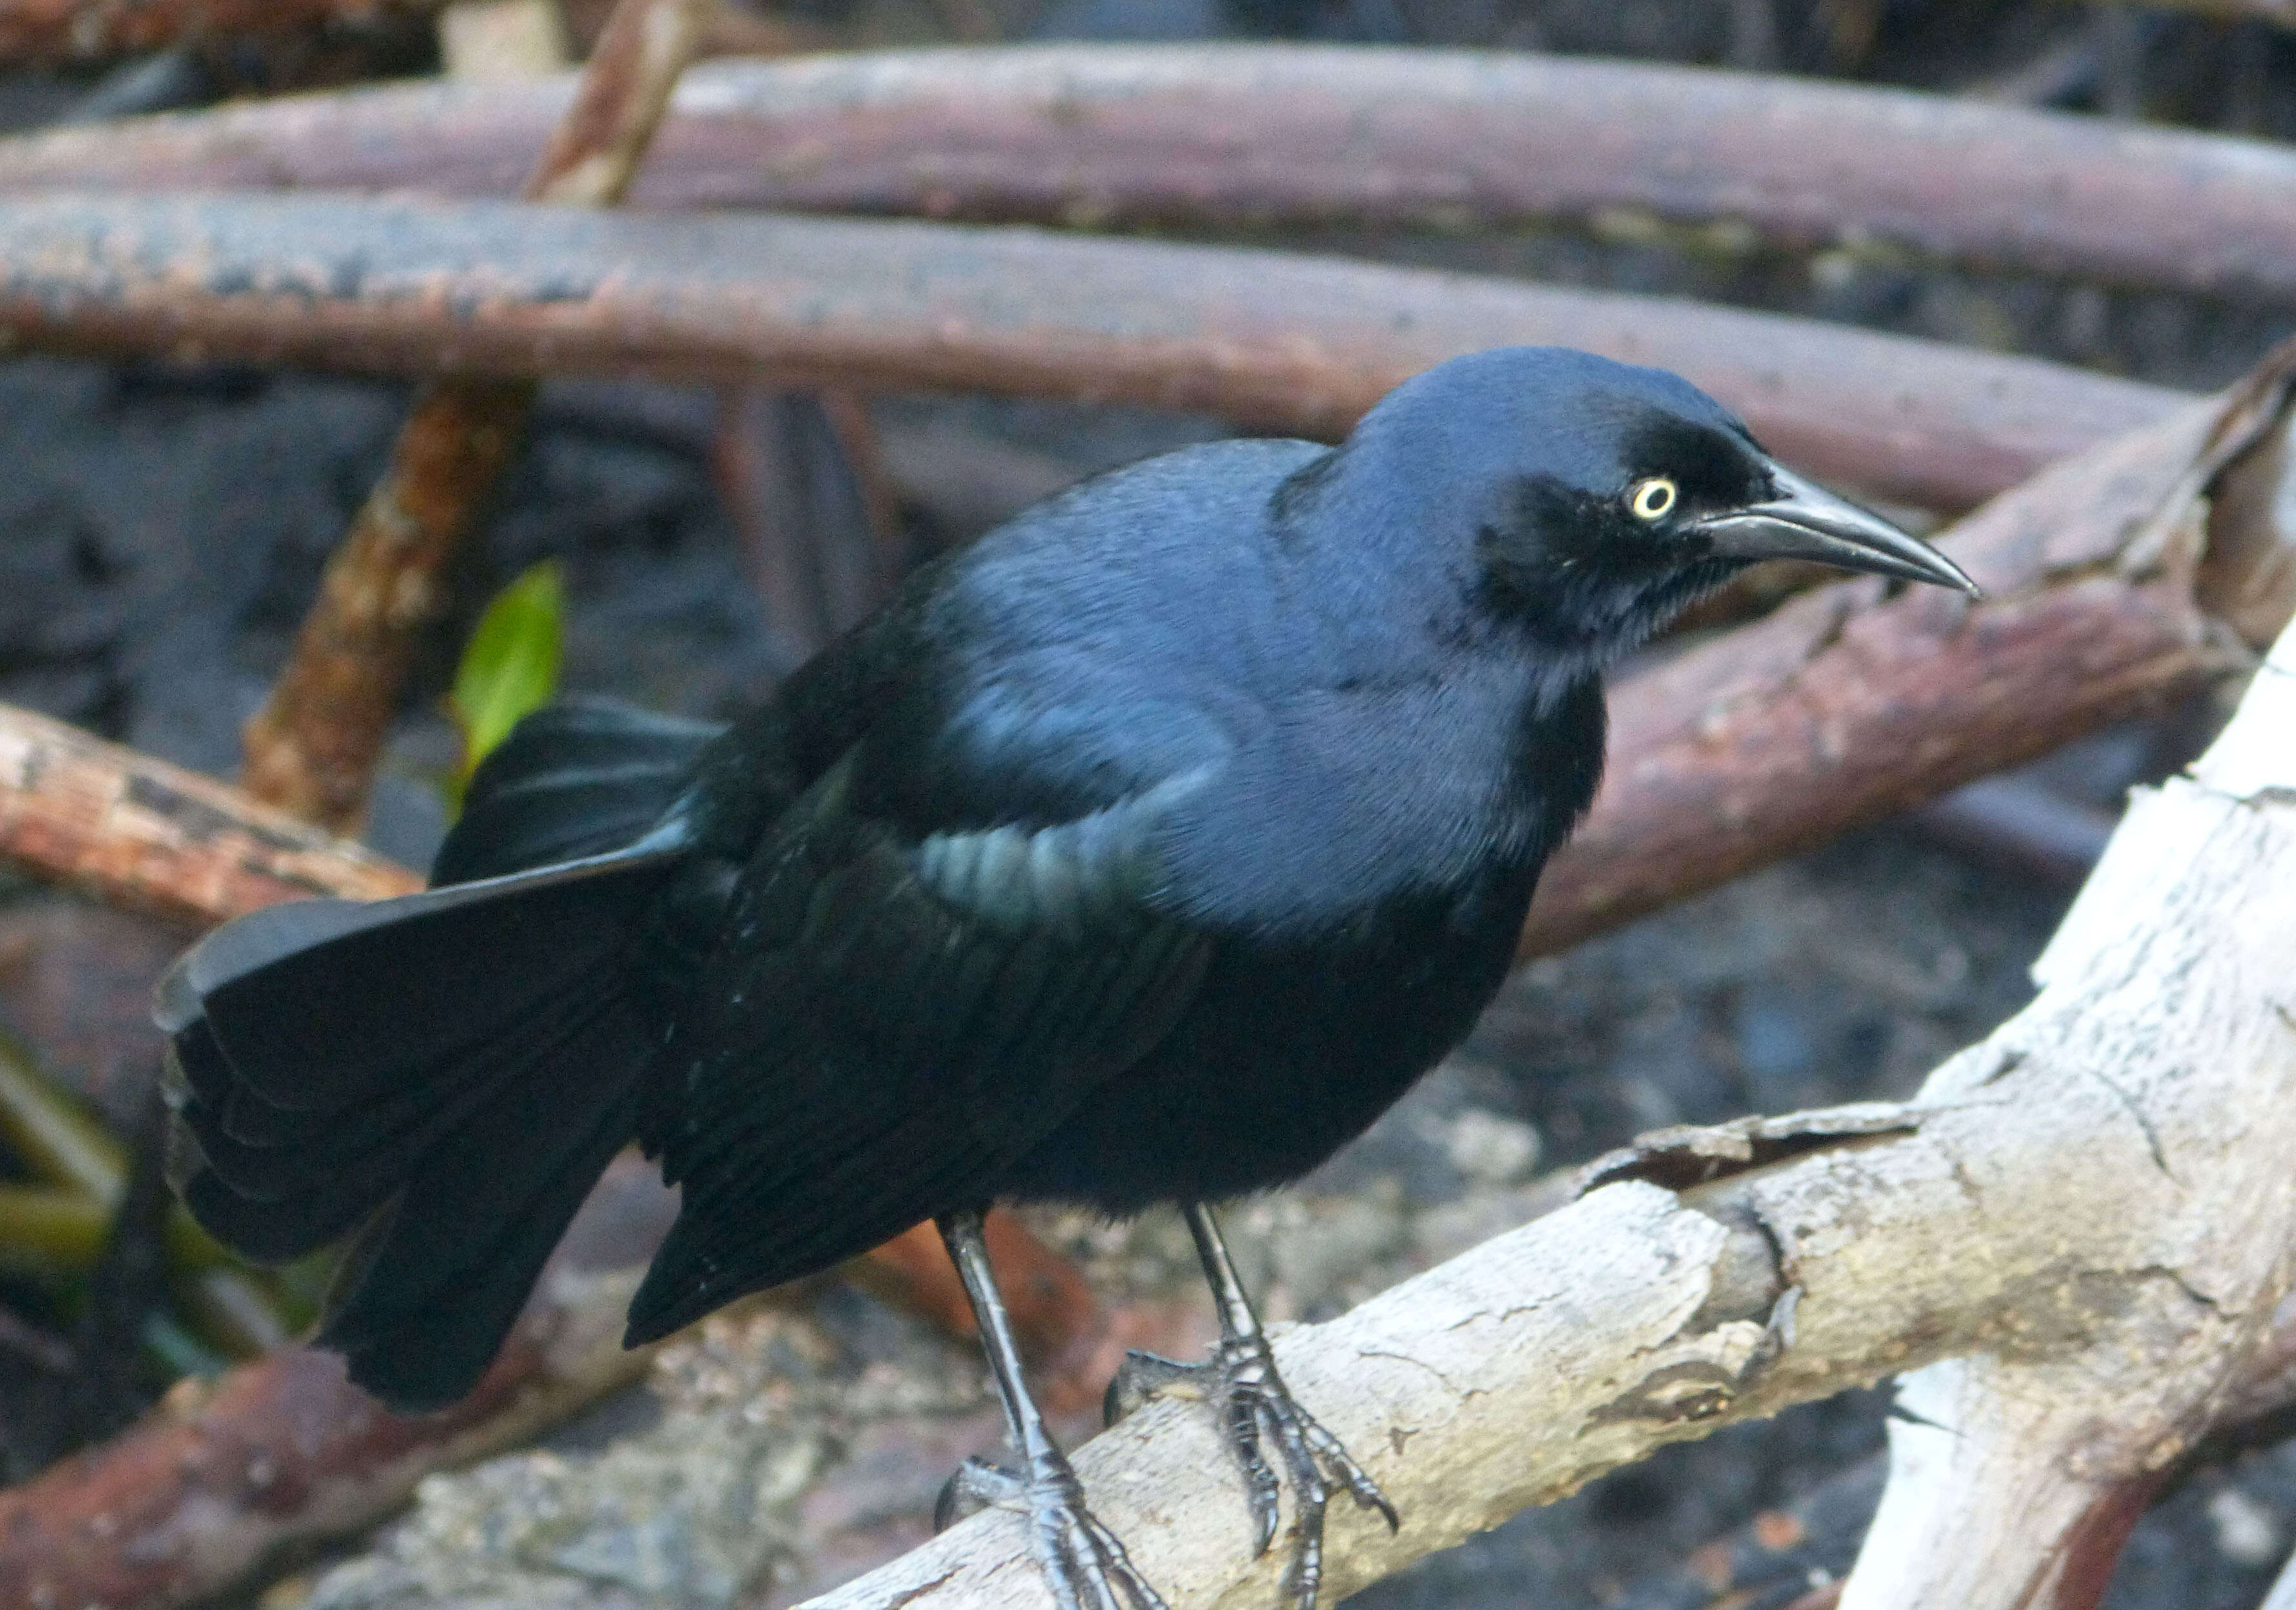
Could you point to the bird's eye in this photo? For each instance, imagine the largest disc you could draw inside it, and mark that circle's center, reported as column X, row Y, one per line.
column 1649, row 498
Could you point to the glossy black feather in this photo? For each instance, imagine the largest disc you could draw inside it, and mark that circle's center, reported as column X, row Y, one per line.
column 451, row 1070
column 577, row 779
column 806, row 1132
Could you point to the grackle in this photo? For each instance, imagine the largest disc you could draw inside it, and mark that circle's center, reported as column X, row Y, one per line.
column 1142, row 852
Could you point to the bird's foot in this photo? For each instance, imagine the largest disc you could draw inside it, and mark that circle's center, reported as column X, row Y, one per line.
column 1241, row 1382
column 1083, row 1563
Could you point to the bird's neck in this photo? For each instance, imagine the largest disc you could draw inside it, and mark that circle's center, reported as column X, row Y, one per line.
column 1388, row 566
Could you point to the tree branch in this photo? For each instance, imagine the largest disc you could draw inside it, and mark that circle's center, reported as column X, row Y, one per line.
column 1258, row 135
column 1272, row 341
column 2021, row 1467
column 138, row 833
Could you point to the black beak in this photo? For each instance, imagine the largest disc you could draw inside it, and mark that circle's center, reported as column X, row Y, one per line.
column 1804, row 521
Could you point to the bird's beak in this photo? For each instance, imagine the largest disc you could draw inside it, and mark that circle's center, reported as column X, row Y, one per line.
column 1804, row 521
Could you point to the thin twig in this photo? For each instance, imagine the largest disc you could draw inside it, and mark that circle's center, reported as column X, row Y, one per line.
column 313, row 747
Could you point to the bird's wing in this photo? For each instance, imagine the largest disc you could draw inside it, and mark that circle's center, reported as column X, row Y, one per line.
column 891, row 1017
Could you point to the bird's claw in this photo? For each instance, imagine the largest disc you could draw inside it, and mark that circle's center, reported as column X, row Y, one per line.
column 1083, row 1563
column 1254, row 1404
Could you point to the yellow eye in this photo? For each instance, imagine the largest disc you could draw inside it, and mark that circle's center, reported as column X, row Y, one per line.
column 1651, row 498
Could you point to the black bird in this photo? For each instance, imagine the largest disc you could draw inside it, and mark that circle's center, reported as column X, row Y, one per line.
column 1142, row 853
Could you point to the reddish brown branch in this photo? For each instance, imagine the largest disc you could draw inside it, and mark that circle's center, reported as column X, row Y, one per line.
column 139, row 833
column 1270, row 341
column 1257, row 135
column 595, row 149
column 313, row 747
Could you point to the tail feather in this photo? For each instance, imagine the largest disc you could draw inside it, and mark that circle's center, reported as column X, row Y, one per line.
column 446, row 1073
column 267, row 1232
column 394, row 986
column 573, row 780
column 431, row 1299
column 418, row 1355
column 267, row 1152
column 470, row 1181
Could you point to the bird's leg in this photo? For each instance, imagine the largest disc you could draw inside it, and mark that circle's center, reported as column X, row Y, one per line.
column 1083, row 1562
column 1251, row 1401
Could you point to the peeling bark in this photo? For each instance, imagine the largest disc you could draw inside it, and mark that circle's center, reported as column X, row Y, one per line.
column 2026, row 1463
column 1272, row 341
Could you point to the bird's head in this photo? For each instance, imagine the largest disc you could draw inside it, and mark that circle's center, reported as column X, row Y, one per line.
column 1601, row 498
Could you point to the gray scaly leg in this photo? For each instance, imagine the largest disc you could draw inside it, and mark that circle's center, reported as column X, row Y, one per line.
column 1083, row 1562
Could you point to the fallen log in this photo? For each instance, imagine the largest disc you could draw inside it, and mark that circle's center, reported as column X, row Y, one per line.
column 1255, row 135
column 1270, row 341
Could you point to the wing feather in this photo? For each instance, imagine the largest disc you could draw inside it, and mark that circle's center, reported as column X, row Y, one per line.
column 892, row 1023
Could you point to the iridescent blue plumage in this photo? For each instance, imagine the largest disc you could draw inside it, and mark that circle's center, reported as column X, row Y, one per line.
column 1143, row 851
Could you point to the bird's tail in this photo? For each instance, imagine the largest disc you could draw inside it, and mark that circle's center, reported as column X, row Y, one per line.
column 447, row 1073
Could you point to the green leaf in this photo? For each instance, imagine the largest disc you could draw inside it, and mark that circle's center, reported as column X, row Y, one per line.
column 511, row 667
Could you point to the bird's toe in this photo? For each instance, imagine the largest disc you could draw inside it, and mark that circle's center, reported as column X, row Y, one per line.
column 974, row 1486
column 1257, row 1408
column 1144, row 1377
column 1084, row 1563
